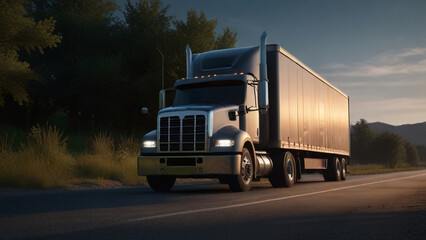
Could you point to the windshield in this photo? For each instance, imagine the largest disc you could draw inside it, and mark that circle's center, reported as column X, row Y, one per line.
column 224, row 93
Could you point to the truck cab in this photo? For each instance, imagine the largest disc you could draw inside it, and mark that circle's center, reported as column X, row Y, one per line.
column 212, row 126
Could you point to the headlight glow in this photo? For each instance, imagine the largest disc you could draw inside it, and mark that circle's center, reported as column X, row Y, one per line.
column 149, row 144
column 224, row 143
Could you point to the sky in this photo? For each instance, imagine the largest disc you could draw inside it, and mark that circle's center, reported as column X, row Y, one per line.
column 374, row 51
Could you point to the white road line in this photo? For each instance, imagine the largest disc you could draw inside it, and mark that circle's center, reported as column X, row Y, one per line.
column 263, row 201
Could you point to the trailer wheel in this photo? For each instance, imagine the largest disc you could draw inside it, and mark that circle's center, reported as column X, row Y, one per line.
column 344, row 167
column 161, row 183
column 333, row 171
column 242, row 182
column 284, row 171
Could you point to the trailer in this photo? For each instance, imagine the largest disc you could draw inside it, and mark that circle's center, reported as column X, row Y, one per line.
column 246, row 113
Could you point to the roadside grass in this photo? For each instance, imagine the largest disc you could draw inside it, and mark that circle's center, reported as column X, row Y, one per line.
column 78, row 143
column 42, row 158
column 364, row 169
column 15, row 136
column 44, row 161
column 105, row 161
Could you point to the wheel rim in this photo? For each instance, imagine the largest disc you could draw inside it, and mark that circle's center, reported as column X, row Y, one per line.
column 338, row 168
column 246, row 170
column 290, row 169
column 343, row 168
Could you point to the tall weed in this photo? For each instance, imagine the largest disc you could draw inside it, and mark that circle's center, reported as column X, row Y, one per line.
column 106, row 161
column 43, row 161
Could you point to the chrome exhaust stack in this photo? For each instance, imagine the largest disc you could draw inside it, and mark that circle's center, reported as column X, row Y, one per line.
column 188, row 62
column 263, row 84
column 263, row 94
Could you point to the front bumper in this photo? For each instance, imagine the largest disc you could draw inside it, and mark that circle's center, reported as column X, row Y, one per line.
column 204, row 165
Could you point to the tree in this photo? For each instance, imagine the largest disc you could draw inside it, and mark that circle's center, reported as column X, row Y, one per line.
column 199, row 33
column 20, row 32
column 82, row 75
column 412, row 155
column 389, row 149
column 149, row 31
column 227, row 39
column 361, row 139
column 104, row 70
column 421, row 149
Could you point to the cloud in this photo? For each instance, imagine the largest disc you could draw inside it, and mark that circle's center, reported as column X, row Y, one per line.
column 380, row 83
column 405, row 61
column 395, row 111
column 403, row 104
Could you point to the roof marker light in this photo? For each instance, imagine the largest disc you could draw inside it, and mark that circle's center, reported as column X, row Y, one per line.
column 241, row 73
column 202, row 76
column 196, row 77
column 214, row 75
column 235, row 73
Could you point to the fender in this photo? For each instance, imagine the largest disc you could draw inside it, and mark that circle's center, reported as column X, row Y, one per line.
column 240, row 137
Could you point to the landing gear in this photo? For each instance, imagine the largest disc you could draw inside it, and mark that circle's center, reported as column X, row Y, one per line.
column 284, row 171
column 242, row 182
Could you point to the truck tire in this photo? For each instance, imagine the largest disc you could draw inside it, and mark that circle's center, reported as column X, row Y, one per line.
column 333, row 171
column 284, row 171
column 242, row 182
column 161, row 183
column 344, row 169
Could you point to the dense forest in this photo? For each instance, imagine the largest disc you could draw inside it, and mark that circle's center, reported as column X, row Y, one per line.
column 74, row 64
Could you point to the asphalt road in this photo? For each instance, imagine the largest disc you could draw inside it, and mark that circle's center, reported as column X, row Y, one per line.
column 386, row 206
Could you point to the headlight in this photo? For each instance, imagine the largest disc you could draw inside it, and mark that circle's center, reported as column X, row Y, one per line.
column 224, row 143
column 149, row 144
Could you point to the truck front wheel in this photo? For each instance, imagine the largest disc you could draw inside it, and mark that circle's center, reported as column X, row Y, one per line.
column 284, row 171
column 161, row 183
column 242, row 182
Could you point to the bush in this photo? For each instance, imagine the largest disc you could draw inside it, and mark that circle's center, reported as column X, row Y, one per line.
column 104, row 161
column 59, row 119
column 43, row 162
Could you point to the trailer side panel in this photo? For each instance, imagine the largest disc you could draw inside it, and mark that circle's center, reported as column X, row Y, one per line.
column 306, row 111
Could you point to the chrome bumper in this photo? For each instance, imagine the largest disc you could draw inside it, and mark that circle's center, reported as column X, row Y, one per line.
column 183, row 165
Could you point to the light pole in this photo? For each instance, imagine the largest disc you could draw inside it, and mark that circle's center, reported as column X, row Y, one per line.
column 162, row 68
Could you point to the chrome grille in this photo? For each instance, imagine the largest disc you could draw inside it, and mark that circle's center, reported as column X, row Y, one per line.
column 182, row 134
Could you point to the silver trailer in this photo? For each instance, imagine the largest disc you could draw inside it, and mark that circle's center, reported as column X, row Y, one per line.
column 246, row 113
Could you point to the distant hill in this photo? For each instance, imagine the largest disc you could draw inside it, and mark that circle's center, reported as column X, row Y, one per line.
column 413, row 133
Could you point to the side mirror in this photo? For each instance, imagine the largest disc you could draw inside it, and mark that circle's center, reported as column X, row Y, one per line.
column 144, row 110
column 233, row 114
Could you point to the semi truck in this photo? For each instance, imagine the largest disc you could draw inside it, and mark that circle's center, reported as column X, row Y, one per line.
column 243, row 114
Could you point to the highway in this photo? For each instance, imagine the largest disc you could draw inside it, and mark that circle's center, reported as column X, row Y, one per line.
column 385, row 206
